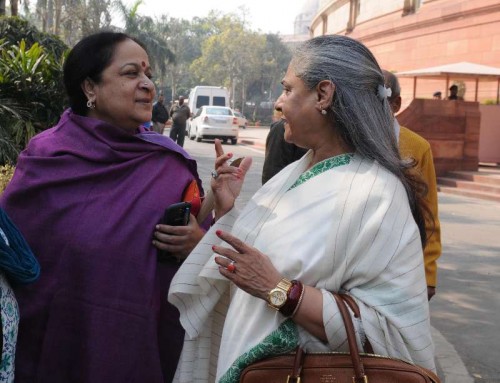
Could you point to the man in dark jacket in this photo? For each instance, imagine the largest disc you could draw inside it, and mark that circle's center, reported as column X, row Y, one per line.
column 180, row 113
column 160, row 115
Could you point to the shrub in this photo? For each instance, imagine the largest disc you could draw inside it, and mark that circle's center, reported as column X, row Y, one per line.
column 6, row 173
column 490, row 101
column 31, row 88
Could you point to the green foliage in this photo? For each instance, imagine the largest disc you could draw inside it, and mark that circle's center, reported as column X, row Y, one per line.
column 490, row 101
column 6, row 173
column 31, row 89
column 230, row 57
column 15, row 29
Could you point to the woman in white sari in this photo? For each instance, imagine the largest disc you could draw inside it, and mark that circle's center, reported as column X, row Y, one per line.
column 346, row 217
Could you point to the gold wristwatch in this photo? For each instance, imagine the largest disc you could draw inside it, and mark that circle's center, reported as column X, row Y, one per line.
column 277, row 297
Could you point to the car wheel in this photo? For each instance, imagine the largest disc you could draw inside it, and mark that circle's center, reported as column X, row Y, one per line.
column 233, row 141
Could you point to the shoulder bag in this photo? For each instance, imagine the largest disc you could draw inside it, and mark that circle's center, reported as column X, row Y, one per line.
column 336, row 367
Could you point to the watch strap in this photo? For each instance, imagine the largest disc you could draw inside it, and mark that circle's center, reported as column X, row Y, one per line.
column 294, row 298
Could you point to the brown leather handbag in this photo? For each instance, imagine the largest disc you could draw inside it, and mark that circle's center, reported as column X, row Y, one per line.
column 335, row 367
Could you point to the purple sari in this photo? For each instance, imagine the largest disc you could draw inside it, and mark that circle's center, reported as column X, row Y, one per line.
column 87, row 195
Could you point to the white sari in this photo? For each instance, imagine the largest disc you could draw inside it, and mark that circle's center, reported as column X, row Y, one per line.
column 348, row 228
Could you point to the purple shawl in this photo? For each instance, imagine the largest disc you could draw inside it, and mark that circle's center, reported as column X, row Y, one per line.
column 87, row 195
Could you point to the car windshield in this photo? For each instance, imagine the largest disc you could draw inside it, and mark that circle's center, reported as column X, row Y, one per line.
column 219, row 111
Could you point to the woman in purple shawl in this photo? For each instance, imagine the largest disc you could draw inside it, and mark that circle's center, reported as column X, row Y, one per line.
column 87, row 195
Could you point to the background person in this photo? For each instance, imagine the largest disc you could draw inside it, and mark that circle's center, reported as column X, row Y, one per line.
column 453, row 93
column 279, row 153
column 180, row 113
column 414, row 147
column 345, row 217
column 87, row 194
column 18, row 265
column 160, row 115
column 437, row 95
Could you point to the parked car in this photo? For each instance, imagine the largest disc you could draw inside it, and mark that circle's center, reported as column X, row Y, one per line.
column 242, row 120
column 206, row 95
column 212, row 122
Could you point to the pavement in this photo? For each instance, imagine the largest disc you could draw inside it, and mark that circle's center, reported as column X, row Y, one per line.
column 450, row 366
column 254, row 136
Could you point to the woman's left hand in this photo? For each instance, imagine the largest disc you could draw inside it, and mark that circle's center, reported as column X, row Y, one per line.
column 227, row 180
column 178, row 240
column 252, row 271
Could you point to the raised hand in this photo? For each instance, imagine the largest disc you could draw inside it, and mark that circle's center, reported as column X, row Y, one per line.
column 227, row 180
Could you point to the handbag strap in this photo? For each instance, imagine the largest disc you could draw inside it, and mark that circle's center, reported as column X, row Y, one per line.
column 359, row 369
column 367, row 347
column 297, row 366
column 343, row 302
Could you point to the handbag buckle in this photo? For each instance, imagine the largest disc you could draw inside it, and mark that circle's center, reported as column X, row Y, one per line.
column 293, row 379
column 365, row 379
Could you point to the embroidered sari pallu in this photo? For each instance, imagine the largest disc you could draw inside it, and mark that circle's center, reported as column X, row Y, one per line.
column 354, row 367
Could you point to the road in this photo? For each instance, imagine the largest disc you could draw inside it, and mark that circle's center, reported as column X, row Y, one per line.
column 465, row 313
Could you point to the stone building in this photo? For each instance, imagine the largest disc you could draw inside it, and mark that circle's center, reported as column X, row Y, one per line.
column 413, row 34
column 407, row 35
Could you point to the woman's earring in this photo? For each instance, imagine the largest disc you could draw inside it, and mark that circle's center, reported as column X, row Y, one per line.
column 90, row 104
column 323, row 111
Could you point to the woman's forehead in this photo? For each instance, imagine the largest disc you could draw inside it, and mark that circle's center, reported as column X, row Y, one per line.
column 129, row 50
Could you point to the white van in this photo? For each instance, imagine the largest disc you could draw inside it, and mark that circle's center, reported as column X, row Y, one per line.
column 207, row 95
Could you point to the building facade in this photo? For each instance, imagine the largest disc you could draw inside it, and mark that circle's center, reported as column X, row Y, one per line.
column 414, row 34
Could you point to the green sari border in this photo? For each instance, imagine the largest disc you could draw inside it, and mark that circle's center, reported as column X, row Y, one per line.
column 323, row 166
column 283, row 340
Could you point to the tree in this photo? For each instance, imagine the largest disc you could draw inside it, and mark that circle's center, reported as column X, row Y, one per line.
column 176, row 33
column 14, row 7
column 265, row 87
column 72, row 19
column 230, row 56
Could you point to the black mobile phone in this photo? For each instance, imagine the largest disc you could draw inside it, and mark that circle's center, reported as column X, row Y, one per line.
column 177, row 214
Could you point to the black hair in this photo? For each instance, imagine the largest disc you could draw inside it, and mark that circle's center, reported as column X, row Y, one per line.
column 88, row 59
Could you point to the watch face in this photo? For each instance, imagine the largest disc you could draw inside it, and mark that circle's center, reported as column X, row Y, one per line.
column 277, row 298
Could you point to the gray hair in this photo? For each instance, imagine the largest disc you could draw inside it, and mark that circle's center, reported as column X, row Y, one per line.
column 359, row 115
column 391, row 81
